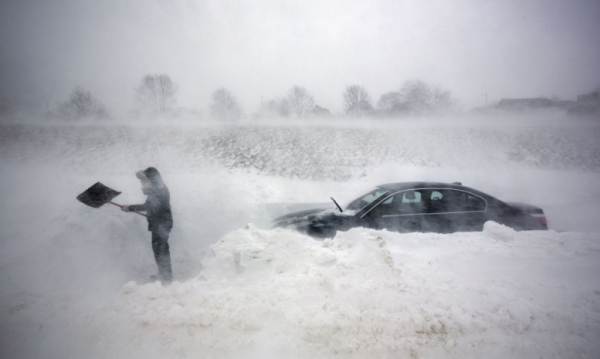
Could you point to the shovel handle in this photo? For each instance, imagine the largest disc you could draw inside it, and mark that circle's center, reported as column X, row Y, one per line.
column 121, row 206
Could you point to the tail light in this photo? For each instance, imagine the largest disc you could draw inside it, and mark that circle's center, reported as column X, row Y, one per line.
column 541, row 218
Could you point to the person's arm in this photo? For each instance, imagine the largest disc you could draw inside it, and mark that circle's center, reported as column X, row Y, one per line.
column 135, row 208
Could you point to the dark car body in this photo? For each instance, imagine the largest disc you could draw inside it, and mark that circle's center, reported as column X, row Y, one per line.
column 417, row 207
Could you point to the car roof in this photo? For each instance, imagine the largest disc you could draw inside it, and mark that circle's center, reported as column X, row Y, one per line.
column 409, row 185
column 401, row 186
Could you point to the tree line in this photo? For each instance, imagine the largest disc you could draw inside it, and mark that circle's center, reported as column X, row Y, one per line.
column 156, row 96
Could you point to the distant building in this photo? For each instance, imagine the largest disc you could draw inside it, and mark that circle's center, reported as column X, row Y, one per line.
column 524, row 104
column 588, row 104
column 593, row 97
column 531, row 104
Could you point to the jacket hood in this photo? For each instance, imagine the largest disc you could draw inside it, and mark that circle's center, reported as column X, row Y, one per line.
column 152, row 175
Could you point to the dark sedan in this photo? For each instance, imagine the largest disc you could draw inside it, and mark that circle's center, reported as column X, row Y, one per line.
column 417, row 207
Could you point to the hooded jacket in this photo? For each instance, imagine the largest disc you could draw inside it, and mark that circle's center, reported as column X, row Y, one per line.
column 157, row 205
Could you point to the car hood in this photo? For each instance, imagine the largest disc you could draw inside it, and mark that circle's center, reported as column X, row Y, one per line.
column 296, row 218
column 313, row 217
column 317, row 223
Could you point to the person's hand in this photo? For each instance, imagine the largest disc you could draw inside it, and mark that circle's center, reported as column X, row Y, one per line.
column 125, row 208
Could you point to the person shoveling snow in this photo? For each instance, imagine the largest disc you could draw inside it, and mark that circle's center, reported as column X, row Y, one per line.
column 158, row 213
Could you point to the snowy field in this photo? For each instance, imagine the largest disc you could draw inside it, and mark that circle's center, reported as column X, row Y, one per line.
column 75, row 279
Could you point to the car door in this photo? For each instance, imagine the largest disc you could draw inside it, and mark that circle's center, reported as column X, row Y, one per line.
column 452, row 210
column 401, row 212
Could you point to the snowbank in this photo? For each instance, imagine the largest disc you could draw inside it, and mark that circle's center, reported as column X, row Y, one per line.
column 275, row 293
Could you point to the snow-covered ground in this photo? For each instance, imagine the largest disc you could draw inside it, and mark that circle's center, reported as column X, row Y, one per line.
column 74, row 279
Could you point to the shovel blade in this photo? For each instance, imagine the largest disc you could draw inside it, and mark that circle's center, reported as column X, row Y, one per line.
column 97, row 195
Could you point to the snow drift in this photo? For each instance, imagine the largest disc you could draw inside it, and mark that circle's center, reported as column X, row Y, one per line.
column 274, row 293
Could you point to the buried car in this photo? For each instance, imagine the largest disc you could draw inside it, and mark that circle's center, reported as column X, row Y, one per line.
column 417, row 207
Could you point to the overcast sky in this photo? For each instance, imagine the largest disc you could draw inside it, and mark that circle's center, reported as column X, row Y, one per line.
column 259, row 48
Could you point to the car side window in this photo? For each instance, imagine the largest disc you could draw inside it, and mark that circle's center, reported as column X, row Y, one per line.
column 372, row 196
column 365, row 200
column 402, row 203
column 449, row 200
column 437, row 202
column 411, row 197
column 474, row 203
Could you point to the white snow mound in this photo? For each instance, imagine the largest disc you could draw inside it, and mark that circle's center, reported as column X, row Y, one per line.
column 271, row 292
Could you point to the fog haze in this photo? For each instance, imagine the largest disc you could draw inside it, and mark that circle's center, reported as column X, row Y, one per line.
column 259, row 49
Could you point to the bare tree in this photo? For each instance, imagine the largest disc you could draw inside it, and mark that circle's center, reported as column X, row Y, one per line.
column 224, row 106
column 391, row 104
column 422, row 97
column 156, row 94
column 388, row 101
column 300, row 101
column 81, row 104
column 355, row 94
column 274, row 108
column 357, row 101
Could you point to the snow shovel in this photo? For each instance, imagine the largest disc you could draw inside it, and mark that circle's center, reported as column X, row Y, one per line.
column 99, row 195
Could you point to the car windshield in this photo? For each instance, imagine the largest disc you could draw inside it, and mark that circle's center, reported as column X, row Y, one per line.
column 364, row 200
